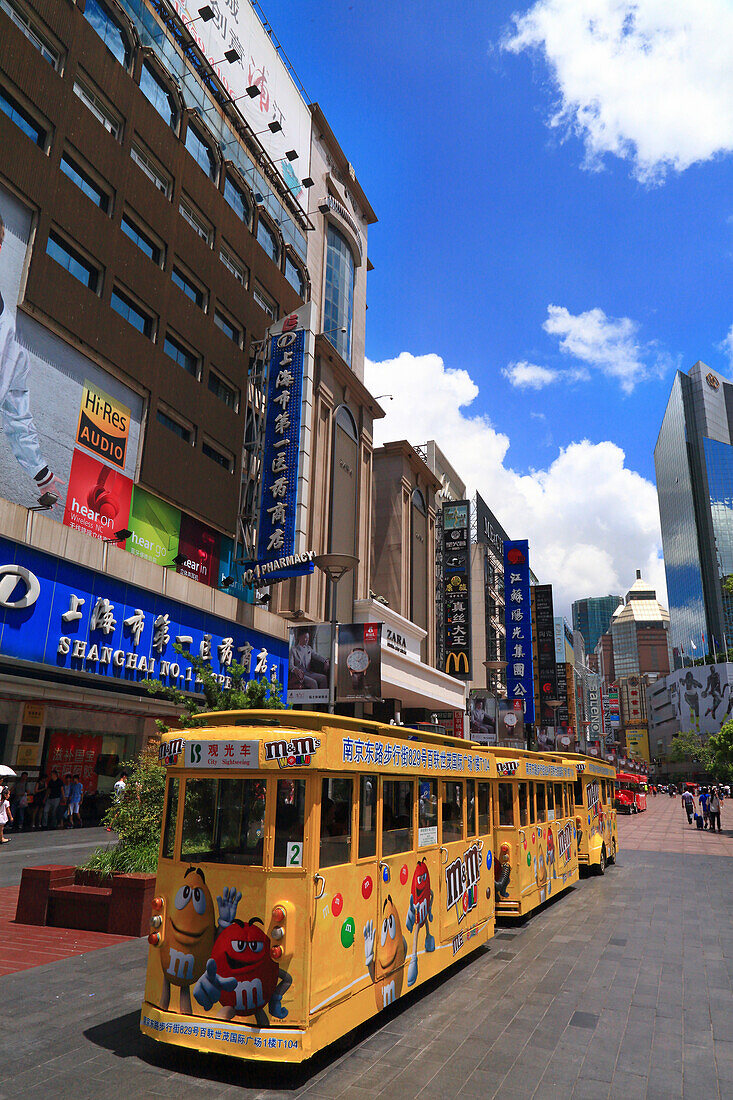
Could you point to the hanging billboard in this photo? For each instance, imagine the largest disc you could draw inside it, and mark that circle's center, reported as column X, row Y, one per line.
column 54, row 401
column 155, row 527
column 359, row 662
column 482, row 717
column 518, row 618
column 457, row 588
column 279, row 114
column 309, row 664
column 546, row 666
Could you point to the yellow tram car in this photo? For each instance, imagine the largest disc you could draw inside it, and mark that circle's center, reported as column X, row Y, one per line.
column 312, row 870
column 595, row 816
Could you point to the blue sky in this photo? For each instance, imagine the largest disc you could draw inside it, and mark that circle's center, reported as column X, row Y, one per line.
column 620, row 217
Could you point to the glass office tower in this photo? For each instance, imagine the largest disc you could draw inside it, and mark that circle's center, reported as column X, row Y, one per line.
column 592, row 617
column 693, row 460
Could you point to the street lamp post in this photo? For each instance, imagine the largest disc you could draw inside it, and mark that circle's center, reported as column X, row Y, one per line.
column 554, row 703
column 335, row 566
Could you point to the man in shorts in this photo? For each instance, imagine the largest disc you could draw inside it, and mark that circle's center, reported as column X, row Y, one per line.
column 76, row 794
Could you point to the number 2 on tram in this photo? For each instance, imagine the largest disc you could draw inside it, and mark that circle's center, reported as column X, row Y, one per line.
column 312, row 870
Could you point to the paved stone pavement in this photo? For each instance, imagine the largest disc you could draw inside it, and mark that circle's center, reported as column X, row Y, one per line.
column 52, row 846
column 664, row 827
column 620, row 988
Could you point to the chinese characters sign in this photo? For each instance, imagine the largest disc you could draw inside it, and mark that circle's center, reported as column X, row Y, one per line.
column 457, row 588
column 545, row 634
column 222, row 754
column 282, row 443
column 519, row 673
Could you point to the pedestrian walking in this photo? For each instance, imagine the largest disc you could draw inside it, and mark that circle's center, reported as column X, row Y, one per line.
column 64, row 817
column 40, row 795
column 6, row 816
column 688, row 802
column 120, row 786
column 76, row 796
column 19, row 801
column 714, row 810
column 703, row 798
column 51, row 809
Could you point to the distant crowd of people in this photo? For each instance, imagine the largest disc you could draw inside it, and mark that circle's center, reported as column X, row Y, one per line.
column 53, row 803
column 703, row 804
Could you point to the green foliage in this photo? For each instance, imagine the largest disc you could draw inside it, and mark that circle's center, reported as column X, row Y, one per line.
column 720, row 748
column 136, row 818
column 242, row 694
column 688, row 746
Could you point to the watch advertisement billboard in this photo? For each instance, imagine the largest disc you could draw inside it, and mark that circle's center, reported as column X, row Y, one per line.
column 518, row 619
column 359, row 662
column 457, row 588
column 309, row 663
column 55, row 402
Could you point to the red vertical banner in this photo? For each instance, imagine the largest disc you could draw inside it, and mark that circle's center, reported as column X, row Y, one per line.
column 75, row 754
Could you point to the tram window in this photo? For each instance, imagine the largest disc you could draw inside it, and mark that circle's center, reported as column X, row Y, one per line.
column 558, row 801
column 171, row 815
column 452, row 812
column 289, row 823
column 578, row 792
column 427, row 812
column 470, row 808
column 368, row 790
column 550, row 802
column 396, row 817
column 568, row 798
column 335, row 822
column 506, row 804
column 484, row 808
column 224, row 821
column 532, row 817
column 541, row 809
column 522, row 789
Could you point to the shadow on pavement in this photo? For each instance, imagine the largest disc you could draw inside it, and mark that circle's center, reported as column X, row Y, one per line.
column 123, row 1038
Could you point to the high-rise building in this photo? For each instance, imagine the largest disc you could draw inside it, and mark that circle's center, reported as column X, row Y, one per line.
column 592, row 617
column 693, row 459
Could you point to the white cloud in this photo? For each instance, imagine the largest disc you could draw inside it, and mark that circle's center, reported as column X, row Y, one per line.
column 529, row 376
column 591, row 520
column 610, row 344
column 726, row 345
column 645, row 80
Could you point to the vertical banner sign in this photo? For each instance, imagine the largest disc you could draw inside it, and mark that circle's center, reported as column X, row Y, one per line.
column 457, row 588
column 520, row 675
column 359, row 662
column 546, row 667
column 276, row 535
column 593, row 710
column 439, row 592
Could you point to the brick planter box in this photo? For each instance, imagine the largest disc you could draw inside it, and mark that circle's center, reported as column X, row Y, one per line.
column 65, row 897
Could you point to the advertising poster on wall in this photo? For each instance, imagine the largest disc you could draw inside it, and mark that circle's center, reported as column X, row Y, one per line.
column 53, row 399
column 98, row 498
column 457, row 588
column 702, row 696
column 510, row 721
column 74, row 754
column 309, row 662
column 482, row 716
column 198, row 545
column 637, row 745
column 359, row 662
column 518, row 620
column 155, row 527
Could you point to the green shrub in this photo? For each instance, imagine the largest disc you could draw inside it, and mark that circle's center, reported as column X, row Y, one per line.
column 136, row 818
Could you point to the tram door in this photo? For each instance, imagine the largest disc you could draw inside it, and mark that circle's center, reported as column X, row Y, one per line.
column 396, row 848
column 527, row 838
column 460, row 862
column 332, row 966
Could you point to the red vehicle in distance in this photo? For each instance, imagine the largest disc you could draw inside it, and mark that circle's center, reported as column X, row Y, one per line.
column 631, row 797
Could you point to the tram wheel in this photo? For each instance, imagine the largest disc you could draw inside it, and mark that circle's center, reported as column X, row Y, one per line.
column 601, row 865
column 612, row 857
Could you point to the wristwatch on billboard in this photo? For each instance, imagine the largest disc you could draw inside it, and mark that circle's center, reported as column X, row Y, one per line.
column 357, row 663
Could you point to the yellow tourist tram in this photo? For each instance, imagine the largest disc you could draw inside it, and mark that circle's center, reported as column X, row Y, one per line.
column 313, row 868
column 534, row 829
column 595, row 816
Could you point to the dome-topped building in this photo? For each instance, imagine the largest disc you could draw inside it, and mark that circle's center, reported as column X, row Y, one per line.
column 640, row 632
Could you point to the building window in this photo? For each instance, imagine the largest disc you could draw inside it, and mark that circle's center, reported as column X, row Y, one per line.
column 108, row 30
column 72, row 261
column 85, row 183
column 233, row 265
column 237, row 199
column 158, row 95
column 188, row 286
column 228, row 327
column 183, row 431
column 132, row 313
column 225, row 461
column 196, row 220
column 143, row 241
column 154, row 173
column 265, row 303
column 226, row 393
column 339, row 303
column 268, row 239
column 294, row 276
column 181, row 355
column 23, row 119
column 31, row 32
column 99, row 109
column 201, row 152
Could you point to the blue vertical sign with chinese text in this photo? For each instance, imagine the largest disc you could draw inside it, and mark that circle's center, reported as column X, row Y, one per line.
column 519, row 672
column 276, row 533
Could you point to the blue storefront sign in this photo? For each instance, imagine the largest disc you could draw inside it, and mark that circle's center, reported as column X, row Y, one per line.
column 519, row 673
column 59, row 614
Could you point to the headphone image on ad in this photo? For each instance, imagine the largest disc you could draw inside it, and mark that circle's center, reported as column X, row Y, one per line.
column 101, row 499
